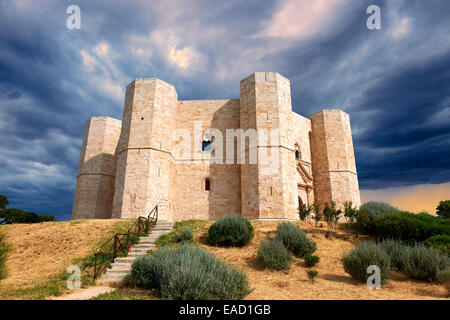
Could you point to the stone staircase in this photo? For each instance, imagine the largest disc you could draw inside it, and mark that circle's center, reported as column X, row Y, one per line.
column 121, row 267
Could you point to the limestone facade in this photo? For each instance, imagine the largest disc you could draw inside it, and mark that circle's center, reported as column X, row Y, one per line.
column 154, row 156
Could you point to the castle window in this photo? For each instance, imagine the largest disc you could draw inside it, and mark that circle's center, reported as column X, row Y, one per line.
column 207, row 184
column 206, row 145
column 298, row 154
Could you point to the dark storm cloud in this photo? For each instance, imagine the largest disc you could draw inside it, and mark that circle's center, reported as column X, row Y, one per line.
column 393, row 82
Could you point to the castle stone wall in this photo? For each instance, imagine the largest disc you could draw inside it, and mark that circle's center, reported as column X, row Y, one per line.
column 128, row 167
column 189, row 199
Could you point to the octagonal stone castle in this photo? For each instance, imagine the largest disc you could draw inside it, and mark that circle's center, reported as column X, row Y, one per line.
column 128, row 167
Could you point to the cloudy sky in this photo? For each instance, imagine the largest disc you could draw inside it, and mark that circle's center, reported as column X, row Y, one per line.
column 394, row 82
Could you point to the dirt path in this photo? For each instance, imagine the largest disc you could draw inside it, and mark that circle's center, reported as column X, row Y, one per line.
column 84, row 294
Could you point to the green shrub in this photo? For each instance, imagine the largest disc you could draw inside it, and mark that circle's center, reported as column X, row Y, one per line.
column 304, row 212
column 440, row 243
column 350, row 212
column 274, row 255
column 331, row 214
column 375, row 209
column 424, row 263
column 444, row 278
column 317, row 212
column 363, row 221
column 3, row 254
column 397, row 251
column 409, row 227
column 232, row 230
column 312, row 275
column 311, row 260
column 189, row 273
column 294, row 239
column 186, row 235
column 367, row 253
column 443, row 209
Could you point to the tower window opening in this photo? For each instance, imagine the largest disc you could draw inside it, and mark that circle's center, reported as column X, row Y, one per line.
column 207, row 184
column 298, row 155
column 206, row 145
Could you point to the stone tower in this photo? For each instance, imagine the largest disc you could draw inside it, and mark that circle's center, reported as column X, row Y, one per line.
column 143, row 152
column 268, row 189
column 333, row 159
column 97, row 169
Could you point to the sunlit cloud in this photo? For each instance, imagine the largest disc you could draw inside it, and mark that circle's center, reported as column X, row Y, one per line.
column 417, row 198
column 303, row 18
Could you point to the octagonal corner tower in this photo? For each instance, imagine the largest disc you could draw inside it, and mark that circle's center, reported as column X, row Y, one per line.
column 333, row 159
column 143, row 152
column 97, row 168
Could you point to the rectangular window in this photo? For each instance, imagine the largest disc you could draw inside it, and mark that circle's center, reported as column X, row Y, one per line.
column 207, row 184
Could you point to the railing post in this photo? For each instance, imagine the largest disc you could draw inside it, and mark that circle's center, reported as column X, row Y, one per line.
column 95, row 266
column 115, row 246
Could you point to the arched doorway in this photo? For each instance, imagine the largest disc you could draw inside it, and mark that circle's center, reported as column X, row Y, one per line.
column 301, row 205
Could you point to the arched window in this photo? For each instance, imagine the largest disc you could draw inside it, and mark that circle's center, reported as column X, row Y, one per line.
column 298, row 154
column 207, row 141
column 206, row 145
column 207, row 184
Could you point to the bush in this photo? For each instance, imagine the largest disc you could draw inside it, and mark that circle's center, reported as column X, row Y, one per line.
column 331, row 214
column 186, row 235
column 444, row 278
column 443, row 209
column 304, row 212
column 189, row 273
column 409, row 227
column 274, row 255
column 232, row 230
column 440, row 243
column 312, row 275
column 3, row 253
column 294, row 239
column 375, row 209
column 317, row 212
column 350, row 212
column 367, row 253
column 424, row 263
column 363, row 221
column 397, row 251
column 311, row 260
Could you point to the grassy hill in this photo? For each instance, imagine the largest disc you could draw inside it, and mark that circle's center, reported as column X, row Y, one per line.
column 40, row 253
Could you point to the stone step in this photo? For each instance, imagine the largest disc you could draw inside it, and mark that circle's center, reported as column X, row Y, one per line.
column 136, row 249
column 148, row 240
column 118, row 270
column 137, row 253
column 124, row 260
column 120, row 265
column 115, row 276
column 144, row 247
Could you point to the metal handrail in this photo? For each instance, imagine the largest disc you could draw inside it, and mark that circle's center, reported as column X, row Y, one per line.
column 139, row 227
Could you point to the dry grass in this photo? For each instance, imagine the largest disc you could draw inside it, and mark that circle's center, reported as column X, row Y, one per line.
column 332, row 281
column 41, row 251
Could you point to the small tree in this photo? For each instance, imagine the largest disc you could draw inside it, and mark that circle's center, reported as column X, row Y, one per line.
column 46, row 218
column 350, row 212
column 312, row 275
column 443, row 209
column 12, row 216
column 331, row 215
column 304, row 212
column 317, row 213
column 3, row 202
